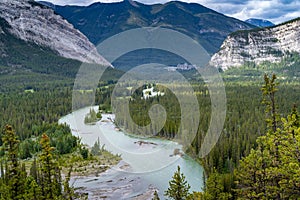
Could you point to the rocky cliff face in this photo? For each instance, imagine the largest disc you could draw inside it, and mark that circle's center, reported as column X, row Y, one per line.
column 258, row 45
column 32, row 22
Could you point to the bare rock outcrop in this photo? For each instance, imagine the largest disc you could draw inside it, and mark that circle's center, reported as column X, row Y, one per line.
column 258, row 45
column 35, row 23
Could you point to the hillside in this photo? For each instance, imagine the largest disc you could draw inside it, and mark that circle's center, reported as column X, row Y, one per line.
column 99, row 21
column 26, row 63
column 32, row 22
column 259, row 45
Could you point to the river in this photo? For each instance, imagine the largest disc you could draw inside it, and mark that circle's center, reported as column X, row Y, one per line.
column 144, row 167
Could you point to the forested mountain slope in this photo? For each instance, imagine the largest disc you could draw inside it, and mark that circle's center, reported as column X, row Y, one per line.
column 99, row 21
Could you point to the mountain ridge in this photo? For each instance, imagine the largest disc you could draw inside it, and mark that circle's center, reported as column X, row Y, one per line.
column 100, row 21
column 259, row 45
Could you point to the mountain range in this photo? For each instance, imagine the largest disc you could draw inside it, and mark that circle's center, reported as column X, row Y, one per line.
column 100, row 21
column 34, row 33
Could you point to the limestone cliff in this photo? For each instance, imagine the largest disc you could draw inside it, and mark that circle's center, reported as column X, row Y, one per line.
column 35, row 23
column 258, row 45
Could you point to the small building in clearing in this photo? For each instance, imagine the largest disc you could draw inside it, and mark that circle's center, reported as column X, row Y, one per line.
column 150, row 93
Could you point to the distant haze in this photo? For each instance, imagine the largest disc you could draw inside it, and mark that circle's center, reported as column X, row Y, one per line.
column 276, row 11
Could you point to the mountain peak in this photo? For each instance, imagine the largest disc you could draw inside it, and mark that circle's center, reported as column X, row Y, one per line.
column 259, row 22
column 131, row 2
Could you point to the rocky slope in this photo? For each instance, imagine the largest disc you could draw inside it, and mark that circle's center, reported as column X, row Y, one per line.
column 35, row 23
column 100, row 21
column 258, row 45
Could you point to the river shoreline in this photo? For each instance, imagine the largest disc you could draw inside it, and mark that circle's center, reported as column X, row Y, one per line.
column 148, row 167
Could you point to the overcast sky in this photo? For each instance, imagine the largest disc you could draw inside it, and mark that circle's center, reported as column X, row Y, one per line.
column 276, row 11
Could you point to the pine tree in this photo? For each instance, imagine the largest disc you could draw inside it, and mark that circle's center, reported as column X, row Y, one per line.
column 4, row 191
column 178, row 187
column 50, row 174
column 96, row 151
column 272, row 170
column 68, row 191
column 34, row 170
column 252, row 175
column 14, row 178
column 155, row 196
column 269, row 89
column 289, row 154
column 84, row 153
column 214, row 188
column 33, row 190
column 196, row 196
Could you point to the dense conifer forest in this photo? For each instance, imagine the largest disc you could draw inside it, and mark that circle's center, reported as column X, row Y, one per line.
column 253, row 159
column 255, row 103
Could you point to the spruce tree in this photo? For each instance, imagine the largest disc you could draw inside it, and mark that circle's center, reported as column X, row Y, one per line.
column 214, row 188
column 33, row 190
column 289, row 154
column 155, row 196
column 34, row 170
column 69, row 192
column 14, row 177
column 269, row 90
column 272, row 169
column 178, row 187
column 50, row 174
column 96, row 151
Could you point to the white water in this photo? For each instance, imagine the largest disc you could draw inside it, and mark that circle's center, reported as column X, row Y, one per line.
column 150, row 165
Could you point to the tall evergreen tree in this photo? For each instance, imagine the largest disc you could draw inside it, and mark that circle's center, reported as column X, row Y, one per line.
column 14, row 178
column 34, row 170
column 269, row 90
column 33, row 190
column 272, row 170
column 96, row 151
column 178, row 187
column 214, row 188
column 50, row 174
column 69, row 193
column 155, row 196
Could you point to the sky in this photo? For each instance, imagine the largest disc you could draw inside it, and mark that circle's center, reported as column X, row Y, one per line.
column 277, row 11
